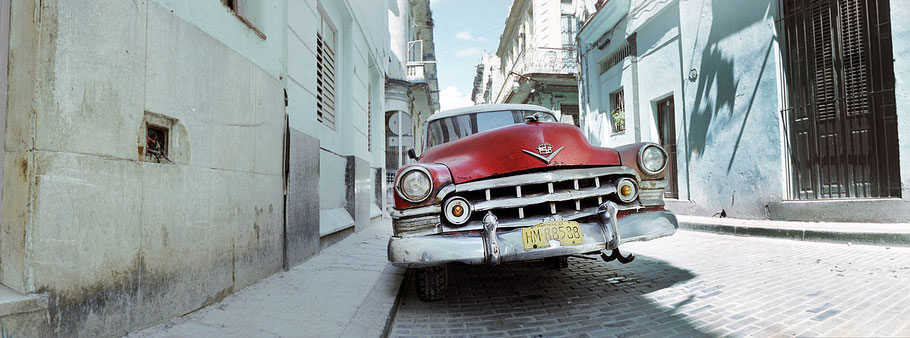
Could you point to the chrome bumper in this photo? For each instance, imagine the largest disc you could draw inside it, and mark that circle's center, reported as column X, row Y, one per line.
column 491, row 246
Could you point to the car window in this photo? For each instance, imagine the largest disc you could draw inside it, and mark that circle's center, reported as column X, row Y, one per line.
column 452, row 128
column 496, row 119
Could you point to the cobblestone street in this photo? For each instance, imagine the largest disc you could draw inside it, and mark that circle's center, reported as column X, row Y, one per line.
column 690, row 284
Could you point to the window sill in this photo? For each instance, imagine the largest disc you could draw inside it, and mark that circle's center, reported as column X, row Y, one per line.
column 248, row 24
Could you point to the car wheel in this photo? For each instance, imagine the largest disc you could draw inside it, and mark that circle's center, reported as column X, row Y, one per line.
column 560, row 262
column 431, row 283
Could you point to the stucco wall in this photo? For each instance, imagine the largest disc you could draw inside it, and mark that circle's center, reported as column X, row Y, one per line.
column 727, row 119
column 362, row 41
column 900, row 37
column 118, row 243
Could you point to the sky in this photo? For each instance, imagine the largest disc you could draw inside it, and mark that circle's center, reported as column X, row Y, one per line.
column 463, row 30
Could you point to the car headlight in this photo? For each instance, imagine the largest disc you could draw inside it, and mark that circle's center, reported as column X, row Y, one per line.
column 457, row 210
column 414, row 185
column 652, row 159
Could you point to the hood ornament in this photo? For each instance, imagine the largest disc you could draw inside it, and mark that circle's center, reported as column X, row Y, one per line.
column 544, row 149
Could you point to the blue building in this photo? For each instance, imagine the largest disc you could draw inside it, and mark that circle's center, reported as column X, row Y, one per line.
column 780, row 109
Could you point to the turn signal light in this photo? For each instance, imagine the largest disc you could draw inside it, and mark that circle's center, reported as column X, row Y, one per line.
column 457, row 210
column 626, row 189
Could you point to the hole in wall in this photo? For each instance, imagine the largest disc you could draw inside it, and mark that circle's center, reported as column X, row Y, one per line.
column 163, row 139
column 156, row 143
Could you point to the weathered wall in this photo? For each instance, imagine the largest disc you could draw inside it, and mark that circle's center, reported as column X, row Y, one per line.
column 119, row 244
column 362, row 43
column 731, row 136
column 900, row 37
column 727, row 119
column 303, row 199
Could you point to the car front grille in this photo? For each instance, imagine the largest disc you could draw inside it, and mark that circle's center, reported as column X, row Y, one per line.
column 527, row 199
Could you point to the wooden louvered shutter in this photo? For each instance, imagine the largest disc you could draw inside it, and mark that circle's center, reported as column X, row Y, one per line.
column 325, row 74
column 840, row 108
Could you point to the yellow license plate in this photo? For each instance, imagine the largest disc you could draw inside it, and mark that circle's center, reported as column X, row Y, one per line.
column 539, row 236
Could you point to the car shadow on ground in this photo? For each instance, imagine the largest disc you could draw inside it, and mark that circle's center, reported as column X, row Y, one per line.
column 590, row 297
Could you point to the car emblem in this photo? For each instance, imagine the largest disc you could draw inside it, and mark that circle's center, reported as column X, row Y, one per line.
column 544, row 149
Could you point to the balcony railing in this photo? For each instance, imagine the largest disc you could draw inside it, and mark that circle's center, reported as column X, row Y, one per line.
column 547, row 60
column 416, row 72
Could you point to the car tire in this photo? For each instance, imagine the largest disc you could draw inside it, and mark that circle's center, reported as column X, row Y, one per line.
column 431, row 283
column 560, row 262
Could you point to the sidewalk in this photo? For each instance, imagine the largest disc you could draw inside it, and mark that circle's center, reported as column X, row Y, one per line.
column 891, row 234
column 348, row 290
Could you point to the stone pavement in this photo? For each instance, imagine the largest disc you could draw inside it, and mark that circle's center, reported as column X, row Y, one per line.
column 348, row 289
column 690, row 284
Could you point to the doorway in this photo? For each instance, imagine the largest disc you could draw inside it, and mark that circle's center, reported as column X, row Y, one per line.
column 666, row 126
column 840, row 110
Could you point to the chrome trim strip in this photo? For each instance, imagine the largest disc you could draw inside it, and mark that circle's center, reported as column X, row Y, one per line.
column 545, row 177
column 515, row 202
column 653, row 184
column 445, row 191
column 430, row 209
column 468, row 248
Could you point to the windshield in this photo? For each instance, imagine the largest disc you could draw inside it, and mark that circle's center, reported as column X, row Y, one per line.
column 455, row 127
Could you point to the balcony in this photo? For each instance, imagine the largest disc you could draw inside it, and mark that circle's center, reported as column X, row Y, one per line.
column 547, row 60
column 416, row 72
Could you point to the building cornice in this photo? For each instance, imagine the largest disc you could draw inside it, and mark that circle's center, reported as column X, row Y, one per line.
column 604, row 20
column 516, row 12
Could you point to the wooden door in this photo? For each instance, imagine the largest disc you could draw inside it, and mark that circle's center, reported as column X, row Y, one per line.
column 666, row 126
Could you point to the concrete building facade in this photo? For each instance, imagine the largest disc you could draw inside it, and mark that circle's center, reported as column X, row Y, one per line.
column 769, row 108
column 412, row 86
column 160, row 155
column 536, row 58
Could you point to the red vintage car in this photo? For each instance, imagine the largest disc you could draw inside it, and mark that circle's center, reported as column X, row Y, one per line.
column 506, row 183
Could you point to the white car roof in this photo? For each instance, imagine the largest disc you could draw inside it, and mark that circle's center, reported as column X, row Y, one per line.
column 486, row 107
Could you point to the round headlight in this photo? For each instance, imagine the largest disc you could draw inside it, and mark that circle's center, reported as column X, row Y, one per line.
column 414, row 185
column 652, row 159
column 626, row 190
column 457, row 210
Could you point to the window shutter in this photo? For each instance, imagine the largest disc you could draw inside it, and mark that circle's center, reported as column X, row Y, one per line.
column 325, row 82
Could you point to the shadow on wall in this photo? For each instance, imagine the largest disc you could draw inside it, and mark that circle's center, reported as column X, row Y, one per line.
column 717, row 82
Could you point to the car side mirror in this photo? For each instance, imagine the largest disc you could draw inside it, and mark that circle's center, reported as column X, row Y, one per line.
column 412, row 154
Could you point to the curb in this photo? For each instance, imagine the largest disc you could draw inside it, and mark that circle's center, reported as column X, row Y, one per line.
column 849, row 233
column 393, row 312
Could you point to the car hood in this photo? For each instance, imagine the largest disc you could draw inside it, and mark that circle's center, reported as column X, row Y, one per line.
column 518, row 147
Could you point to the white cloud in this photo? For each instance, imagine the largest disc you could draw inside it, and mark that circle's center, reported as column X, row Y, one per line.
column 471, row 51
column 465, row 35
column 450, row 97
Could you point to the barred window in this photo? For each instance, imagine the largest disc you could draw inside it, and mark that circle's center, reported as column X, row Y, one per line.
column 627, row 49
column 325, row 72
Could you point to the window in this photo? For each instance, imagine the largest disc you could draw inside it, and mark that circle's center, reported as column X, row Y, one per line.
column 415, row 51
column 233, row 5
column 325, row 72
column 452, row 128
column 839, row 109
column 617, row 111
column 568, row 22
column 629, row 48
column 370, row 115
column 240, row 10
